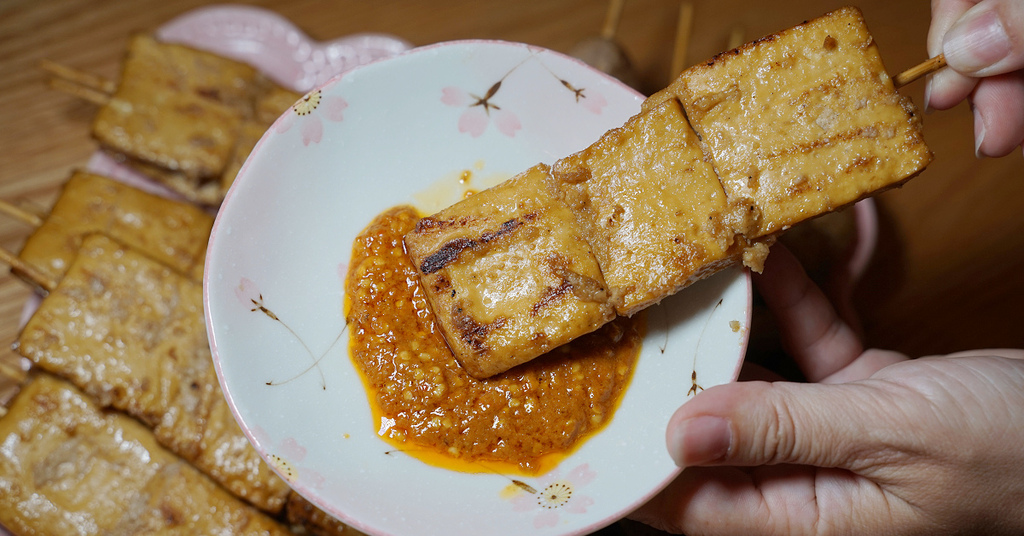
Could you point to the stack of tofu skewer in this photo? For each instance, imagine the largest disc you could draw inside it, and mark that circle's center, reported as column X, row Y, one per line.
column 122, row 326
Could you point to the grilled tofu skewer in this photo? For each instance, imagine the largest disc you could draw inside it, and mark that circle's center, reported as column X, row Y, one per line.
column 186, row 117
column 129, row 331
column 733, row 152
column 172, row 232
column 68, row 467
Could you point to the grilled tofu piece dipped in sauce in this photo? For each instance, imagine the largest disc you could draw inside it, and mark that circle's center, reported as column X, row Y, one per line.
column 509, row 274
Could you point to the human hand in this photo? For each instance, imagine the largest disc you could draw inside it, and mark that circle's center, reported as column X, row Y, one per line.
column 881, row 445
column 983, row 42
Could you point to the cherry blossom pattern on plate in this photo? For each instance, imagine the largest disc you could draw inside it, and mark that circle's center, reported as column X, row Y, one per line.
column 552, row 495
column 309, row 113
column 480, row 110
column 285, row 458
column 250, row 296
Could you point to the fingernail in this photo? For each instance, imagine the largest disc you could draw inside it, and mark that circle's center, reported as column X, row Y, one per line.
column 700, row 440
column 979, row 132
column 977, row 41
column 928, row 95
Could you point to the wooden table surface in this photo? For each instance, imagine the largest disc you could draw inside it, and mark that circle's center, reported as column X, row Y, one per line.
column 949, row 271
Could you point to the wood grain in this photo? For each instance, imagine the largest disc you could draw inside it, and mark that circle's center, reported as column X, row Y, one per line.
column 949, row 273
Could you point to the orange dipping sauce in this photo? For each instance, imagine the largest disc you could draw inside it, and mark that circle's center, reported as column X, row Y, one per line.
column 522, row 421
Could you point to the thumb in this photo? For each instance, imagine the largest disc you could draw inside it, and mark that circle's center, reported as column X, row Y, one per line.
column 761, row 423
column 987, row 39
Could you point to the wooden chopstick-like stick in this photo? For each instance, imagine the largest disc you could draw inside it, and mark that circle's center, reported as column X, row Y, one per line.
column 27, row 271
column 81, row 78
column 611, row 19
column 684, row 28
column 86, row 86
column 924, row 68
column 20, row 214
column 736, row 36
column 83, row 92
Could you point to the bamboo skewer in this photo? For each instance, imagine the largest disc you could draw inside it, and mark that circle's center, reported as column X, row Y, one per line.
column 20, row 214
column 924, row 68
column 683, row 30
column 87, row 86
column 27, row 271
column 736, row 38
column 611, row 20
column 81, row 78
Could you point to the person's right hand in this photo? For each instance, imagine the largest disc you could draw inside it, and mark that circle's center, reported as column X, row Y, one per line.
column 983, row 42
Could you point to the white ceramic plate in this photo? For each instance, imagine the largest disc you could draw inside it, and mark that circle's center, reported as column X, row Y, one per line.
column 385, row 134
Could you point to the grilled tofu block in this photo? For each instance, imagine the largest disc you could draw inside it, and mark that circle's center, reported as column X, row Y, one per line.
column 171, row 232
column 179, row 115
column 68, row 467
column 802, row 122
column 652, row 208
column 508, row 274
column 190, row 136
column 129, row 331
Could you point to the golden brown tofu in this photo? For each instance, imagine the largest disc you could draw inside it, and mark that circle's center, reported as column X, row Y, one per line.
column 651, row 207
column 68, row 467
column 803, row 122
column 152, row 63
column 129, row 331
column 171, row 232
column 183, row 133
column 178, row 112
column 508, row 274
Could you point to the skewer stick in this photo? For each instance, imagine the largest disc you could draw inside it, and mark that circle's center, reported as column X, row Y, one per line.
column 611, row 19
column 735, row 37
column 20, row 214
column 26, row 270
column 83, row 92
column 683, row 31
column 924, row 68
column 81, row 78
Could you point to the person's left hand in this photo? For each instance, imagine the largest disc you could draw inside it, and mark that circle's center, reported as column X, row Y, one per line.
column 880, row 445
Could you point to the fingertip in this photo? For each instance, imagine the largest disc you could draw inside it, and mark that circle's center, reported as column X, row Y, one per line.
column 700, row 440
column 947, row 88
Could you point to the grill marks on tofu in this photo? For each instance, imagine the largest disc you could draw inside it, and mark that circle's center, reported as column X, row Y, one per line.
column 733, row 152
column 508, row 274
column 804, row 122
column 450, row 252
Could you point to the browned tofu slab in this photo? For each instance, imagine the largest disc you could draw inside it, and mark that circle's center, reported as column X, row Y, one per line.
column 508, row 274
column 129, row 331
column 803, row 122
column 68, row 467
column 178, row 114
column 181, row 132
column 651, row 207
column 171, row 232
